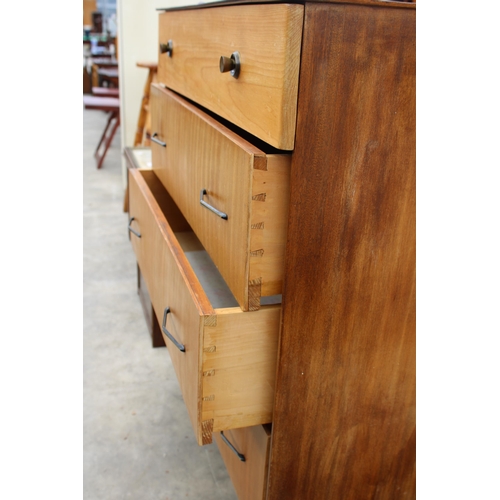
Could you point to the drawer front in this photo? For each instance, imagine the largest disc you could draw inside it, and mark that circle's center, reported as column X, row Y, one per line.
column 249, row 477
column 240, row 181
column 263, row 99
column 224, row 358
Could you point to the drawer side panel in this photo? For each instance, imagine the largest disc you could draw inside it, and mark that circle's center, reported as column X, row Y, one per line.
column 161, row 263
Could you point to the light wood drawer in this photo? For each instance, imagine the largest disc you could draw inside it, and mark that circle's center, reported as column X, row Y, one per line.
column 249, row 186
column 263, row 99
column 227, row 368
column 251, row 444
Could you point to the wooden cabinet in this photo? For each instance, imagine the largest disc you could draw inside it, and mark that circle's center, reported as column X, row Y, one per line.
column 333, row 367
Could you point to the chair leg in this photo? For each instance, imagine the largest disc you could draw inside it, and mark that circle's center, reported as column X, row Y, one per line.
column 106, row 138
column 143, row 112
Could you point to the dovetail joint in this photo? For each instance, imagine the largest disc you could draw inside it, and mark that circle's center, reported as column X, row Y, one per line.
column 207, row 427
column 254, row 294
column 259, row 197
column 260, row 162
column 210, row 320
column 257, row 253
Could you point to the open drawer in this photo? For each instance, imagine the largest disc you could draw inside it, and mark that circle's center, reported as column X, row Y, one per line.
column 224, row 358
column 233, row 194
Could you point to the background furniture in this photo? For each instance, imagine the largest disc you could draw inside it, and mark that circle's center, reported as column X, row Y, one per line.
column 343, row 419
column 108, row 76
column 103, row 63
column 111, row 105
column 106, row 91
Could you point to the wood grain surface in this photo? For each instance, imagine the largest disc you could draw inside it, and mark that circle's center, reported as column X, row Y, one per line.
column 344, row 420
column 252, row 188
column 263, row 99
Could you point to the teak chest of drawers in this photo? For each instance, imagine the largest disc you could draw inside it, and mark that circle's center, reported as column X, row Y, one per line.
column 276, row 237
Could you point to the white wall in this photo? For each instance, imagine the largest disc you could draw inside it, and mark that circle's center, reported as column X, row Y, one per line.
column 137, row 41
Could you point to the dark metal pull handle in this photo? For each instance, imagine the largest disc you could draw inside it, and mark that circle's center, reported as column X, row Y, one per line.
column 231, row 64
column 164, row 144
column 222, row 215
column 224, row 438
column 167, row 47
column 131, row 229
column 168, row 334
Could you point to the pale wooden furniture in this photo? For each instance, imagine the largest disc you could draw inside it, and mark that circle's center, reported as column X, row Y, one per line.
column 143, row 131
column 332, row 85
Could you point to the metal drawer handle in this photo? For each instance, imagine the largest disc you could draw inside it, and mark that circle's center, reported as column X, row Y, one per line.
column 222, row 215
column 240, row 456
column 167, row 47
column 131, row 229
column 231, row 64
column 168, row 334
column 164, row 144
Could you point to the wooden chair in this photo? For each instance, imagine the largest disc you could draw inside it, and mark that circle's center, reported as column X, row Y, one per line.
column 99, row 64
column 108, row 75
column 110, row 105
column 143, row 131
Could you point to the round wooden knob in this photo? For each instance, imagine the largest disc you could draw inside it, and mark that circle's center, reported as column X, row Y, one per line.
column 167, row 47
column 231, row 64
column 226, row 64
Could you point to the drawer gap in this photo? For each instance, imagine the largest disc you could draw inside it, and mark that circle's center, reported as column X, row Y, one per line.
column 247, row 136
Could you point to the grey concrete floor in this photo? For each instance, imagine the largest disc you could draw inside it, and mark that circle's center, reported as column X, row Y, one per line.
column 137, row 438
